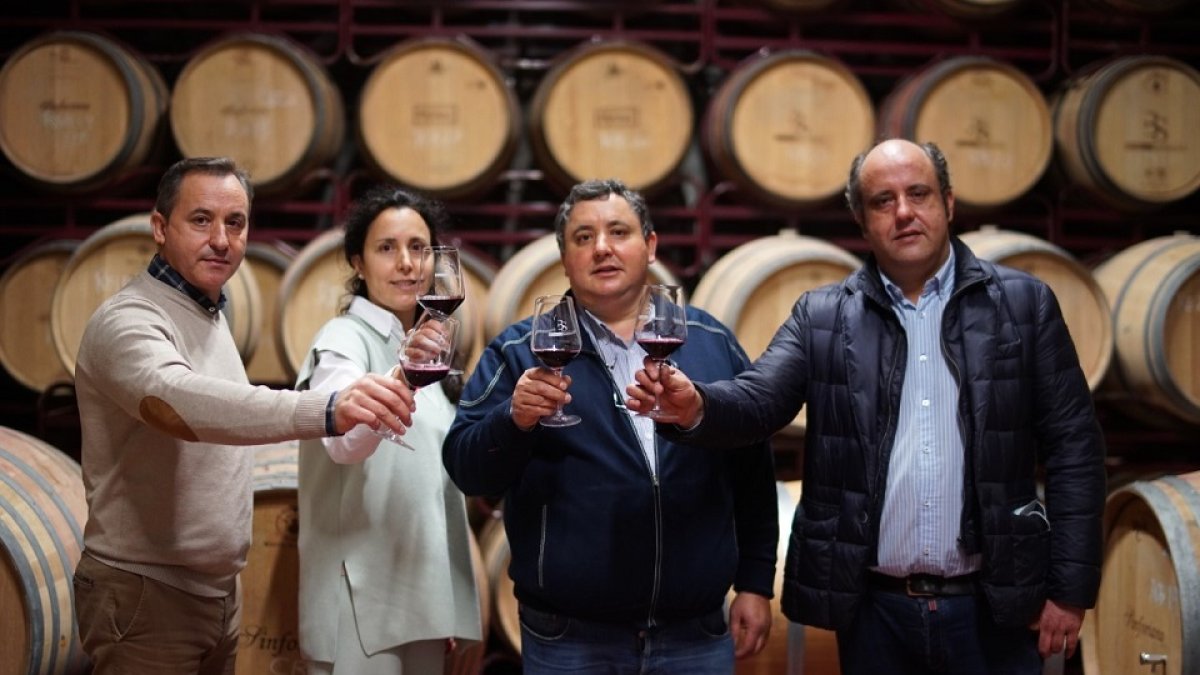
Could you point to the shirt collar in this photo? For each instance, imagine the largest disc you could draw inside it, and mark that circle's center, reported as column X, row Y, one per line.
column 599, row 331
column 161, row 270
column 380, row 320
column 941, row 284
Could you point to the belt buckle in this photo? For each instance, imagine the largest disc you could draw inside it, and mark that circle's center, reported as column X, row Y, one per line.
column 912, row 592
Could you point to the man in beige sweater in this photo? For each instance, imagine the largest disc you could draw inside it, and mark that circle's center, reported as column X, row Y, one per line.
column 164, row 404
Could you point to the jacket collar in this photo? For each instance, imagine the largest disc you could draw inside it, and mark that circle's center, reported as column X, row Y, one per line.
column 967, row 271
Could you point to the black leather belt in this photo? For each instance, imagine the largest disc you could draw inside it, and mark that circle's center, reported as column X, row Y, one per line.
column 924, row 585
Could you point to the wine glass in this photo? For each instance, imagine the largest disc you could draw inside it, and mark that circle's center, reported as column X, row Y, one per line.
column 425, row 355
column 661, row 328
column 555, row 341
column 440, row 271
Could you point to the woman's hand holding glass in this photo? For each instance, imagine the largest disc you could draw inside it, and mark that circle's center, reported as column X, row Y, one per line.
column 425, row 355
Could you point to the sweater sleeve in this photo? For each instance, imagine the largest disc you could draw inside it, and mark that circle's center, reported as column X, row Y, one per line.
column 129, row 353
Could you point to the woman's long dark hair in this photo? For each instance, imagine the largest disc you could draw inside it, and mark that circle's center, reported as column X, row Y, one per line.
column 364, row 212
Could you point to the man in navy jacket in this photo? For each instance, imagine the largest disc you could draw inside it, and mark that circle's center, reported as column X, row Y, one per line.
column 624, row 545
column 940, row 389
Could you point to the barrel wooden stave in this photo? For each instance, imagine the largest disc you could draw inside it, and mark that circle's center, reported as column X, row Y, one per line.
column 1084, row 305
column 989, row 119
column 26, row 293
column 438, row 115
column 784, row 126
column 1154, row 290
column 493, row 547
column 1149, row 600
column 263, row 100
column 1125, row 131
column 42, row 513
column 79, row 111
column 268, row 263
column 616, row 109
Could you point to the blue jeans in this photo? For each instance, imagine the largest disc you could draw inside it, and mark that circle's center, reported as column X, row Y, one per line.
column 552, row 643
column 894, row 634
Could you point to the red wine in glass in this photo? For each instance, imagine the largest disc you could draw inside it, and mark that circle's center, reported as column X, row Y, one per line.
column 445, row 304
column 659, row 348
column 442, row 278
column 555, row 339
column 424, row 374
column 555, row 358
column 661, row 327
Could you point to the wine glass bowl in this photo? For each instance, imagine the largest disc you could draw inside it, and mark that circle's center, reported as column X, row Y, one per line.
column 441, row 276
column 555, row 339
column 661, row 328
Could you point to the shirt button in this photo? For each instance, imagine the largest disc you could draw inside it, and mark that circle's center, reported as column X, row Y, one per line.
column 925, row 449
column 924, row 358
column 925, row 402
column 926, row 502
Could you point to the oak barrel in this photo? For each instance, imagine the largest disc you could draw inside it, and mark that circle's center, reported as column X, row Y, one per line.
column 1083, row 303
column 467, row 658
column 26, row 291
column 79, row 111
column 268, row 263
column 42, row 514
column 270, row 641
column 989, row 119
column 792, row 649
column 438, row 115
column 109, row 258
column 752, row 288
column 1147, row 615
column 263, row 100
column 611, row 109
column 313, row 291
column 493, row 546
column 785, row 126
column 533, row 271
column 1128, row 131
column 1154, row 290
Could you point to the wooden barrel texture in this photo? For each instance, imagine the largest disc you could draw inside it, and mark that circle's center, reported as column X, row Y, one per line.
column 792, row 649
column 466, row 659
column 1147, row 615
column 106, row 261
column 506, row 623
column 79, row 111
column 1154, row 290
column 42, row 514
column 752, row 288
column 989, row 119
column 313, row 291
column 611, row 109
column 1128, row 131
column 785, row 126
column 270, row 641
column 438, row 115
column 534, row 271
column 968, row 10
column 1083, row 303
column 262, row 100
column 26, row 291
column 268, row 263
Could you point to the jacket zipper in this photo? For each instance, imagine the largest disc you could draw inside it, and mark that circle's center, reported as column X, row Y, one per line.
column 542, row 548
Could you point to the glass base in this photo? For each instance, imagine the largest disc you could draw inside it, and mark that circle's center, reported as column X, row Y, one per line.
column 656, row 414
column 557, row 421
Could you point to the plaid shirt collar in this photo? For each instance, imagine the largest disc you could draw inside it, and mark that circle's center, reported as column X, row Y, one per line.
column 159, row 269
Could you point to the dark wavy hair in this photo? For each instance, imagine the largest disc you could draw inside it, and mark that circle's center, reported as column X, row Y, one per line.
column 364, row 212
column 601, row 189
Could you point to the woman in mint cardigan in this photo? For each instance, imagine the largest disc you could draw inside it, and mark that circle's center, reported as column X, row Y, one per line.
column 386, row 584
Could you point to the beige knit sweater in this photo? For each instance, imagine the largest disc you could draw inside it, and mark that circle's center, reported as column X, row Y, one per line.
column 164, row 405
